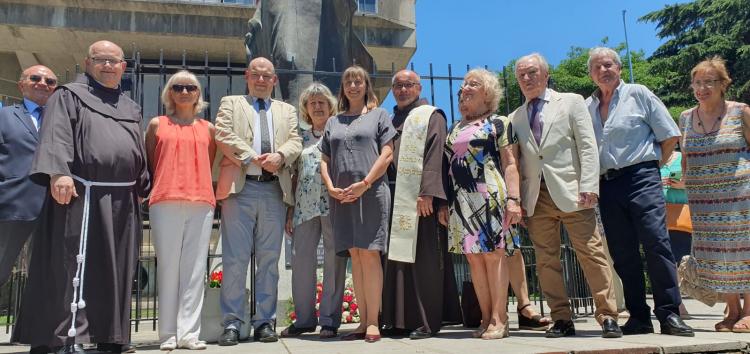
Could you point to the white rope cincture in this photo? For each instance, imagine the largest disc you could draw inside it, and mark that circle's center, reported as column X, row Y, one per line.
column 78, row 301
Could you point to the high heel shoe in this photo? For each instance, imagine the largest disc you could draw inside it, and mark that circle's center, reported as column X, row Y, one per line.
column 496, row 333
column 478, row 333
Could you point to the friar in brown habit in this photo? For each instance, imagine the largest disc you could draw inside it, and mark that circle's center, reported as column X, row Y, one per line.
column 91, row 155
column 419, row 289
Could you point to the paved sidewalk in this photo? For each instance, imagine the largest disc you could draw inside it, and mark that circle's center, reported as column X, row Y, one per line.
column 458, row 340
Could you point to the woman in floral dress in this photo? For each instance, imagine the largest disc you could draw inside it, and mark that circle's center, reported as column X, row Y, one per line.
column 482, row 152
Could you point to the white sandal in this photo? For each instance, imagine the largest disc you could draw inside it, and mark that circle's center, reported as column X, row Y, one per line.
column 169, row 344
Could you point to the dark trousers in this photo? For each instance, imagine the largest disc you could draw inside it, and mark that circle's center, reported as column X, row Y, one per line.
column 633, row 213
column 13, row 235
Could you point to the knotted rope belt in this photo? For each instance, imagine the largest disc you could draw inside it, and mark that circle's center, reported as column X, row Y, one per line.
column 78, row 301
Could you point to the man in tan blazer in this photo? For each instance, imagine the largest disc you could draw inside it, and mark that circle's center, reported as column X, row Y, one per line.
column 258, row 142
column 560, row 185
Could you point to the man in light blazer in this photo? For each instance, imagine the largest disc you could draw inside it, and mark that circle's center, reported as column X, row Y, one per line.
column 21, row 199
column 258, row 142
column 560, row 185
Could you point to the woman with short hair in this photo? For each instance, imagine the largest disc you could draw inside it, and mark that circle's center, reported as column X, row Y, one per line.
column 180, row 147
column 308, row 219
column 482, row 152
column 716, row 166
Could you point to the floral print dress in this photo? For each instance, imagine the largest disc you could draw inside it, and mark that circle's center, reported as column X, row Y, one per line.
column 479, row 195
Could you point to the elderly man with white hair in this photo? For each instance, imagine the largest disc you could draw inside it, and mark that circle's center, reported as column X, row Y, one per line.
column 636, row 135
column 560, row 186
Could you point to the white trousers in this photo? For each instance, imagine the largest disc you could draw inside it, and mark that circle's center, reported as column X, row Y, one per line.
column 181, row 232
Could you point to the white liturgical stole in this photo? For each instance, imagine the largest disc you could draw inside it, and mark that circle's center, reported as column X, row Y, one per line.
column 403, row 240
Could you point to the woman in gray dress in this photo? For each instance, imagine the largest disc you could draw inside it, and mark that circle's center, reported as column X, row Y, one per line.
column 357, row 150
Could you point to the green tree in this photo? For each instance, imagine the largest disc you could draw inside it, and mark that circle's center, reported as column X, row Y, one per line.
column 696, row 31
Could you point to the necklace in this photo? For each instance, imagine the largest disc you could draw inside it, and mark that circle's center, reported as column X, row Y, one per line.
column 715, row 123
column 181, row 121
column 347, row 136
column 471, row 118
column 319, row 133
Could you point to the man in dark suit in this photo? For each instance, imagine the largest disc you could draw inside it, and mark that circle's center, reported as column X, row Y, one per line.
column 20, row 199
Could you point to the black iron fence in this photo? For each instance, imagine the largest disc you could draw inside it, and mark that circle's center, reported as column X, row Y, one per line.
column 144, row 81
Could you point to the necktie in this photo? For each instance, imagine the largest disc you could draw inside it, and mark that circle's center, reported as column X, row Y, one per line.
column 39, row 116
column 265, row 140
column 534, row 121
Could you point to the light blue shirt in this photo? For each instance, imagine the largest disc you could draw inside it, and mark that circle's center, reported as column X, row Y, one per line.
column 31, row 106
column 637, row 122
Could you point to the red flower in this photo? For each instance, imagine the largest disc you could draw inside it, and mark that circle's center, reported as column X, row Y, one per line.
column 292, row 316
column 353, row 307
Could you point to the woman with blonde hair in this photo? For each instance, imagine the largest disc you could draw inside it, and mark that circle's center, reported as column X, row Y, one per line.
column 482, row 151
column 715, row 165
column 357, row 150
column 308, row 220
column 180, row 147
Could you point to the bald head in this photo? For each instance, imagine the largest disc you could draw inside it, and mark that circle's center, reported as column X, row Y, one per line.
column 261, row 77
column 406, row 88
column 37, row 83
column 105, row 63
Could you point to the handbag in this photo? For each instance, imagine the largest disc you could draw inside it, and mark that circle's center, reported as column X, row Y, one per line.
column 689, row 283
column 678, row 218
column 471, row 313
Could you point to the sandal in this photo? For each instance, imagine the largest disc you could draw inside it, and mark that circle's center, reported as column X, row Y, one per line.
column 742, row 326
column 535, row 323
column 726, row 325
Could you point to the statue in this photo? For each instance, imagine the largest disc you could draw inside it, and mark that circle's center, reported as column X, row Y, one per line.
column 306, row 35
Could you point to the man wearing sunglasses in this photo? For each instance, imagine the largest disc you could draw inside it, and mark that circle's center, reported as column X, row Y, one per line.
column 91, row 155
column 21, row 199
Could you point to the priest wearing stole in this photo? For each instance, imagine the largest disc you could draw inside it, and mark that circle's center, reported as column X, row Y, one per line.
column 419, row 290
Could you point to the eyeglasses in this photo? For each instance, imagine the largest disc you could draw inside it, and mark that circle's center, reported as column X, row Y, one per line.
column 47, row 80
column 472, row 84
column 707, row 84
column 104, row 61
column 404, row 85
column 256, row 76
column 179, row 88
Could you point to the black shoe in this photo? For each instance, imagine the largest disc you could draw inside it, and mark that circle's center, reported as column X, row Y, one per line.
column 327, row 332
column 561, row 328
column 393, row 332
column 230, row 336
column 265, row 334
column 674, row 326
column 115, row 348
column 635, row 326
column 420, row 333
column 293, row 331
column 71, row 349
column 610, row 329
column 42, row 349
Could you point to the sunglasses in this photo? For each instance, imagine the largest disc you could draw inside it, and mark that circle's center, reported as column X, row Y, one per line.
column 47, row 80
column 180, row 88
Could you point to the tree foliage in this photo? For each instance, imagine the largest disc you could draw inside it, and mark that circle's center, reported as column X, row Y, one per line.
column 695, row 31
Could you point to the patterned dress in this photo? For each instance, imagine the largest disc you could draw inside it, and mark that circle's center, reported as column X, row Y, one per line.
column 478, row 200
column 717, row 180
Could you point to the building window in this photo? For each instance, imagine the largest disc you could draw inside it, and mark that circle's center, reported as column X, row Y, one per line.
column 368, row 6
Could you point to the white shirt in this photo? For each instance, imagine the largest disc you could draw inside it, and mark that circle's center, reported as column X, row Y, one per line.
column 253, row 169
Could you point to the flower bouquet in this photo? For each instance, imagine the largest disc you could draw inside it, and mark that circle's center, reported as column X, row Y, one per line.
column 215, row 280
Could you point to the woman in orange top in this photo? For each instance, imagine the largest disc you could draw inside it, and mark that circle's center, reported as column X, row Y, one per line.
column 180, row 148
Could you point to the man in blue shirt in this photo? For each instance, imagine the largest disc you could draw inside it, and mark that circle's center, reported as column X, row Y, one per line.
column 635, row 134
column 20, row 199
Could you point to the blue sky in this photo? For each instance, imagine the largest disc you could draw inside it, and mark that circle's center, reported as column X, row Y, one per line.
column 493, row 32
